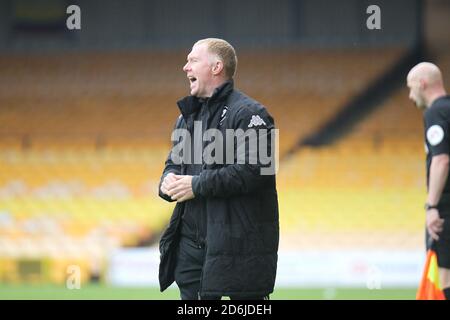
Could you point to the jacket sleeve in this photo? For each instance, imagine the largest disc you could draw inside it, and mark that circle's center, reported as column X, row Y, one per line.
column 170, row 167
column 242, row 178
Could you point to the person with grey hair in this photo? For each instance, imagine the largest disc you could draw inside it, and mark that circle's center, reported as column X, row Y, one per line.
column 428, row 93
column 222, row 239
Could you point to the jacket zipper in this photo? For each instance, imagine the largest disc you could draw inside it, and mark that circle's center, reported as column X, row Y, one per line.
column 203, row 211
column 201, row 274
column 190, row 126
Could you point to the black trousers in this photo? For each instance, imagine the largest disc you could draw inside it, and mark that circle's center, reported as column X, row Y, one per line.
column 188, row 270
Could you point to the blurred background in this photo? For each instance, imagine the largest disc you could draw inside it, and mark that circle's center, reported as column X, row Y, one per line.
column 86, row 117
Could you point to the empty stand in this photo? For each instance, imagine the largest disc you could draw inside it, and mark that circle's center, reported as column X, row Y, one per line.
column 366, row 190
column 96, row 99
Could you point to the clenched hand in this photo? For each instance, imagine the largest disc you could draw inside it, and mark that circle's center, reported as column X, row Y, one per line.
column 434, row 223
column 178, row 187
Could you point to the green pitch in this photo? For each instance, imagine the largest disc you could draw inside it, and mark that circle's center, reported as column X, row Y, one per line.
column 111, row 293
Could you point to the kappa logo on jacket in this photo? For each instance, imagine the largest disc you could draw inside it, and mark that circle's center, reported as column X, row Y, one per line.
column 223, row 115
column 256, row 121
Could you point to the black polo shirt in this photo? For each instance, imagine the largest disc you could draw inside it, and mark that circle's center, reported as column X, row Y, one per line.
column 437, row 125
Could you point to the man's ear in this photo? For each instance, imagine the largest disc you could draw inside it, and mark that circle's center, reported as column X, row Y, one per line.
column 422, row 84
column 217, row 67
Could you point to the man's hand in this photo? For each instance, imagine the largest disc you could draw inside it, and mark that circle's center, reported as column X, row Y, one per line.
column 181, row 188
column 434, row 223
column 168, row 179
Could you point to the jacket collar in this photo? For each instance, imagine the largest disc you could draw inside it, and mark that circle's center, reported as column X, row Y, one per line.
column 191, row 104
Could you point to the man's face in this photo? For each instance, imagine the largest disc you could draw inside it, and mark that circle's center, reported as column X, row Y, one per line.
column 199, row 71
column 415, row 93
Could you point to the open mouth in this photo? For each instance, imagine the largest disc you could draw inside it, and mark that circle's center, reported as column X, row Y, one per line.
column 192, row 79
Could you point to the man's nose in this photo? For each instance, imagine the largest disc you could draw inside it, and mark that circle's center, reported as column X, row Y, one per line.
column 185, row 68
